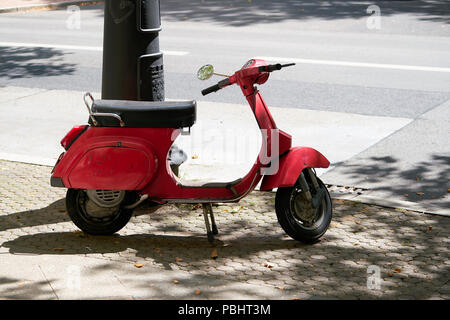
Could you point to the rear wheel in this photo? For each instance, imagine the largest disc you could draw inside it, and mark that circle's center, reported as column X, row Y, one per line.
column 297, row 215
column 99, row 212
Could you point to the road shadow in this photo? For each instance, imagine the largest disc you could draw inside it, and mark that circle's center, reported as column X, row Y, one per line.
column 24, row 62
column 243, row 13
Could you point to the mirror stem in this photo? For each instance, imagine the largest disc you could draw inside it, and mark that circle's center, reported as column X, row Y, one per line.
column 222, row 75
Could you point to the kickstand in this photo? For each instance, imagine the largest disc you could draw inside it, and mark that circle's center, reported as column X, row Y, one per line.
column 211, row 229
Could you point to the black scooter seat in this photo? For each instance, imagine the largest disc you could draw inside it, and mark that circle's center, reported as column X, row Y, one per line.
column 145, row 114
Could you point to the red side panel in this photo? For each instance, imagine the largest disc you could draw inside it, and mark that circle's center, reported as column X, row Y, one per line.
column 111, row 168
column 291, row 165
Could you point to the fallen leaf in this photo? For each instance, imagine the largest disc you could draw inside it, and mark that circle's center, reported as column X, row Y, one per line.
column 418, row 179
column 268, row 265
column 58, row 249
column 177, row 259
column 195, row 156
column 214, row 254
column 157, row 250
column 138, row 265
column 197, row 292
column 420, row 193
column 406, row 195
column 397, row 270
column 79, row 233
column 448, row 190
column 390, row 274
column 235, row 210
column 429, row 228
column 175, row 281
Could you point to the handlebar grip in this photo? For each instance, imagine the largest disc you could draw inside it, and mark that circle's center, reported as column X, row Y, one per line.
column 270, row 68
column 216, row 87
column 274, row 67
column 211, row 89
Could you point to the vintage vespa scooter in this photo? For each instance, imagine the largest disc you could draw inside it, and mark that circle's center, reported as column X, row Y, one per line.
column 122, row 158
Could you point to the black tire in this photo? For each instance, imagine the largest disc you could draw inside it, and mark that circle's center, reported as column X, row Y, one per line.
column 307, row 232
column 76, row 200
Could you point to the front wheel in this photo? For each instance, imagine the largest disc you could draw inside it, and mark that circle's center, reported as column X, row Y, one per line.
column 298, row 217
column 99, row 212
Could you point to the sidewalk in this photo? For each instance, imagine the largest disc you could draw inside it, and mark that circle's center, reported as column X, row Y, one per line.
column 27, row 5
column 221, row 147
column 163, row 252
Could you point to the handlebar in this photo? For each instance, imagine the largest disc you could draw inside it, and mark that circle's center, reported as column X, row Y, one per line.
column 223, row 83
column 274, row 67
column 211, row 89
column 216, row 87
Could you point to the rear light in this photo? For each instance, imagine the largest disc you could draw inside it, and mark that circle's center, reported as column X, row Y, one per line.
column 73, row 134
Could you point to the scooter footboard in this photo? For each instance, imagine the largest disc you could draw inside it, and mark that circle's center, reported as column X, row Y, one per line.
column 291, row 165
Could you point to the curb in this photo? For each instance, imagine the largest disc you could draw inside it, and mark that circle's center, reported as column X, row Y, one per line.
column 49, row 6
column 390, row 203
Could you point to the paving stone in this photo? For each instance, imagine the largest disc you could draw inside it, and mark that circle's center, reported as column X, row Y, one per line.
column 252, row 248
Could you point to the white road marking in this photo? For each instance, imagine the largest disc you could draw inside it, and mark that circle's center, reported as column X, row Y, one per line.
column 357, row 64
column 72, row 47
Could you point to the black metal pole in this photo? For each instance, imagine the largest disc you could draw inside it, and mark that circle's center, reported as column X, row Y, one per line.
column 132, row 63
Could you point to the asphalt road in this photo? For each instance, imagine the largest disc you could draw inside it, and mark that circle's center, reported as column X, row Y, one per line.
column 401, row 69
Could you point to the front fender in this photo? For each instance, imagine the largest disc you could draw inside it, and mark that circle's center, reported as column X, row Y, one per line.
column 291, row 165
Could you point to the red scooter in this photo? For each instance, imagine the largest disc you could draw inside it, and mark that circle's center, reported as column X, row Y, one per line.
column 123, row 158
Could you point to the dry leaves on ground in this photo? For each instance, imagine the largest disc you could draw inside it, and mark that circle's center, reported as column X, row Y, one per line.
column 214, row 254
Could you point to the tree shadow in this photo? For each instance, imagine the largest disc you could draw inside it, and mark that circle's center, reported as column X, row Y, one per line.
column 13, row 289
column 243, row 13
column 406, row 246
column 421, row 181
column 24, row 62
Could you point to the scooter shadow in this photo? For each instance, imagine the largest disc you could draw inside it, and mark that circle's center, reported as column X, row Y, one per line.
column 54, row 213
column 163, row 249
